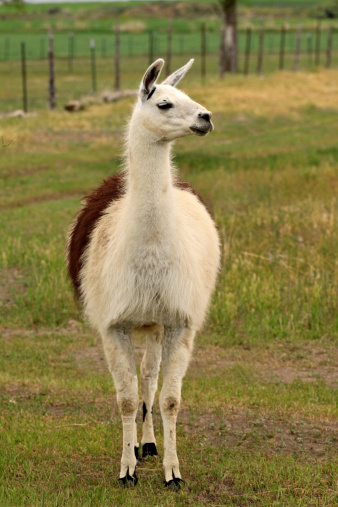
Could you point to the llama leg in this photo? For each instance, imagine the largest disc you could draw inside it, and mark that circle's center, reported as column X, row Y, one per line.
column 177, row 347
column 119, row 351
column 150, row 368
column 136, row 445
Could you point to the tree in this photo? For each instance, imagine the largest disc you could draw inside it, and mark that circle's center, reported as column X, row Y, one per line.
column 228, row 46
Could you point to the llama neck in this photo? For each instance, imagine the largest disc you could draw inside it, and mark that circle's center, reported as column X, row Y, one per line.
column 149, row 184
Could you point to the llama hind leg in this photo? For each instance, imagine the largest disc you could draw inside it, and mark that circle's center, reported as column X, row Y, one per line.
column 150, row 368
column 177, row 347
column 119, row 351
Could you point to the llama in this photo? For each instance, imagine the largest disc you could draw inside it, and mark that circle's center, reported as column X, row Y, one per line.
column 144, row 252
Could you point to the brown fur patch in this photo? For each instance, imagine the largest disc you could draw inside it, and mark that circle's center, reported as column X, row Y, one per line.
column 110, row 190
column 127, row 406
column 171, row 405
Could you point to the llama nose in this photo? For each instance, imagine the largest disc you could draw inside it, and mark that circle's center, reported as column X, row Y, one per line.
column 206, row 116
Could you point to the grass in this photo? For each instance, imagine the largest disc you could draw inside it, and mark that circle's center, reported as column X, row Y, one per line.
column 258, row 424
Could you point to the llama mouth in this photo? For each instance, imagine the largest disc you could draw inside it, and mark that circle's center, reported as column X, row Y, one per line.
column 199, row 132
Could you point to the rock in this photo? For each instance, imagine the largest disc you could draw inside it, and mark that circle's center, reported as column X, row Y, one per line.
column 74, row 105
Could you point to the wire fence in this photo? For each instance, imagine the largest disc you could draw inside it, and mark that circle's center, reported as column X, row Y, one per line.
column 76, row 44
column 80, row 54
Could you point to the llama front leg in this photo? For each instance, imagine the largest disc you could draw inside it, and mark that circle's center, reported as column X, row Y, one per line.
column 177, row 347
column 150, row 368
column 119, row 351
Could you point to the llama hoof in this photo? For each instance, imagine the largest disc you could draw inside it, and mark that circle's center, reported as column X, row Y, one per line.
column 129, row 481
column 175, row 484
column 138, row 462
column 149, row 450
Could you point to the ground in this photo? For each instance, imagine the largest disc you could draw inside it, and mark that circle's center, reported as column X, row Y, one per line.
column 258, row 422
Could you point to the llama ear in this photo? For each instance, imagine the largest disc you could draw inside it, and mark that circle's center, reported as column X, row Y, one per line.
column 150, row 77
column 174, row 78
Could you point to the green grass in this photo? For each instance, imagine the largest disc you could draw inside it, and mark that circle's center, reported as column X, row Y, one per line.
column 258, row 422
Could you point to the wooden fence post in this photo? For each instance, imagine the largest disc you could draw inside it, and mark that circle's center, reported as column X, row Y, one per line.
column 24, row 76
column 318, row 34
column 203, row 52
column 93, row 63
column 329, row 48
column 260, row 51
column 297, row 48
column 51, row 87
column 169, row 39
column 247, row 51
column 282, row 48
column 117, row 57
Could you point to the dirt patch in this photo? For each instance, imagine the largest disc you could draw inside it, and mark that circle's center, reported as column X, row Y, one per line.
column 283, row 363
column 244, row 429
column 73, row 327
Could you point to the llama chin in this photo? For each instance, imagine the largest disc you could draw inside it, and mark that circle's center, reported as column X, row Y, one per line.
column 144, row 252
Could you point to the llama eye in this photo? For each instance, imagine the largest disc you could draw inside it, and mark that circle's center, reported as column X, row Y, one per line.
column 165, row 105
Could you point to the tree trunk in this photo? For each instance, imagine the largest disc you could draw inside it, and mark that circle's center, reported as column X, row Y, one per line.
column 229, row 21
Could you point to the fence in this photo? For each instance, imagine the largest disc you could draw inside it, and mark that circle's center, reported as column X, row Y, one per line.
column 80, row 54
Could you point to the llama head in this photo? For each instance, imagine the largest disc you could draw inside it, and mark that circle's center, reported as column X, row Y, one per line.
column 168, row 113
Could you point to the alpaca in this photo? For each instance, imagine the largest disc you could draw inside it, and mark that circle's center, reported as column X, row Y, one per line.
column 144, row 252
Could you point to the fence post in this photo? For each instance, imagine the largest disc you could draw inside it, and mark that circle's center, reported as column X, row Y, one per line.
column 51, row 87
column 117, row 57
column 282, row 48
column 260, row 51
column 170, row 33
column 247, row 51
column 203, row 52
column 318, row 34
column 24, row 76
column 297, row 48
column 93, row 63
column 70, row 51
column 329, row 48
column 151, row 47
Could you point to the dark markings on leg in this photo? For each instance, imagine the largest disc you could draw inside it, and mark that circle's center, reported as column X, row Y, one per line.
column 136, row 450
column 144, row 411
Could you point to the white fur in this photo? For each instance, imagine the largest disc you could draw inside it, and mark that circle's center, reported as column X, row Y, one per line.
column 152, row 259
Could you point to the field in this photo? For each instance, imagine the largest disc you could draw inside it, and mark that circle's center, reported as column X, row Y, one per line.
column 258, row 423
column 144, row 37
